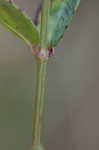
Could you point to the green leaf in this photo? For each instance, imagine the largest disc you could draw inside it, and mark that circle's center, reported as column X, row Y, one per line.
column 60, row 16
column 17, row 22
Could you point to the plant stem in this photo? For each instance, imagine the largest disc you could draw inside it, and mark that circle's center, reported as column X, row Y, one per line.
column 44, row 25
column 41, row 74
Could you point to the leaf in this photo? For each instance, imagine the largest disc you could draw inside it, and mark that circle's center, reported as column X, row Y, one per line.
column 60, row 16
column 17, row 22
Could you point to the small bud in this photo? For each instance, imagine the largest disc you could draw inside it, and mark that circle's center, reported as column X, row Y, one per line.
column 50, row 51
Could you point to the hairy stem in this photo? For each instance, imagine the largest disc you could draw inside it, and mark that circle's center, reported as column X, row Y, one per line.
column 41, row 74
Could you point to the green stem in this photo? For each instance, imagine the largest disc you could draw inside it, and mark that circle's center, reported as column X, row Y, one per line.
column 41, row 74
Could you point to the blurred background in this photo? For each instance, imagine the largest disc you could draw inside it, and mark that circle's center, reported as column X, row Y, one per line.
column 71, row 114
